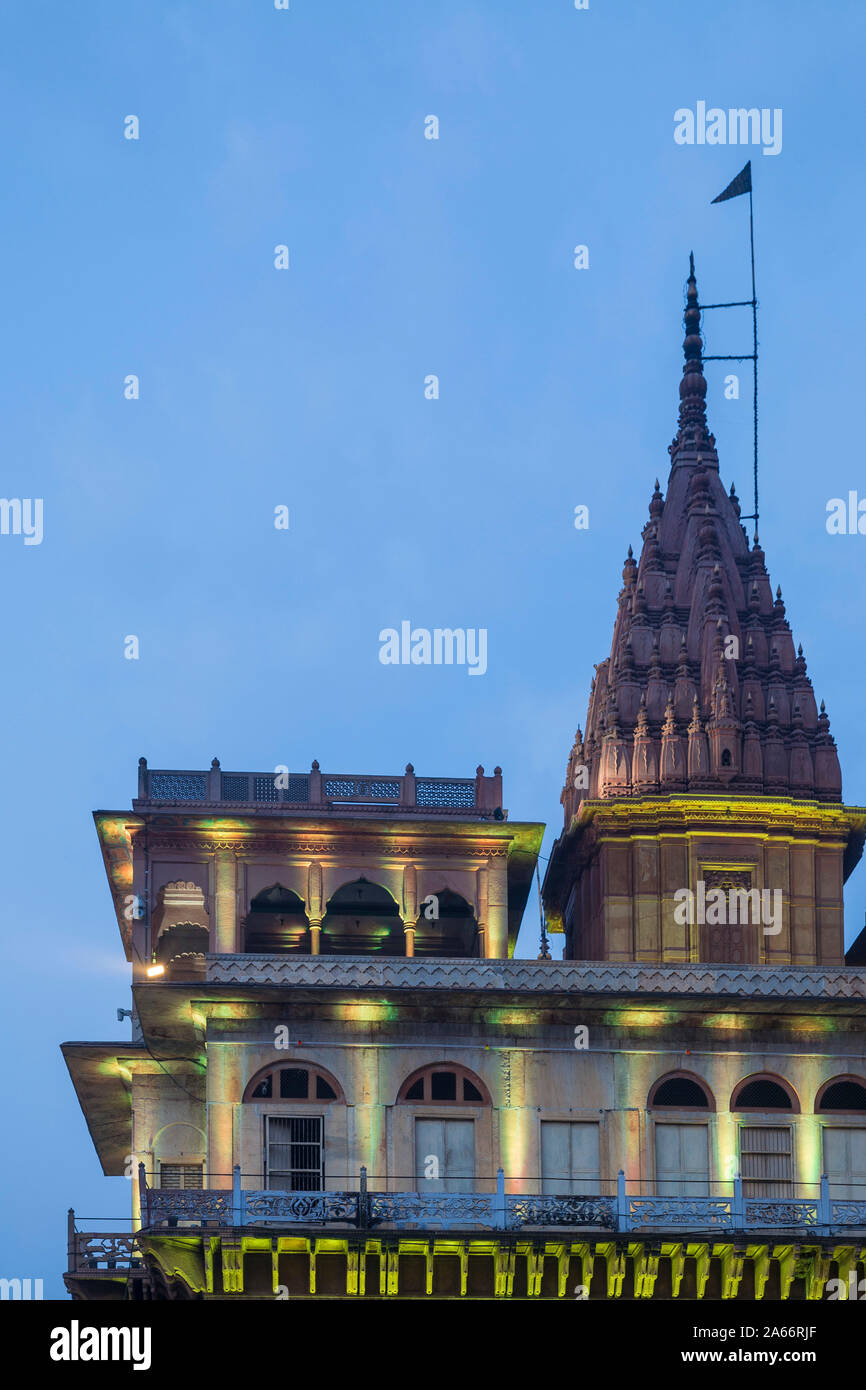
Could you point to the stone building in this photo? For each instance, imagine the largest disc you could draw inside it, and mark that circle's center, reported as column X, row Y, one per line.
column 344, row 1083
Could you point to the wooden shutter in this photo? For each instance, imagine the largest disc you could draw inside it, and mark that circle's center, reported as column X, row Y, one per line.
column 180, row 1175
column 569, row 1157
column 682, row 1168
column 765, row 1161
column 845, row 1162
column 452, row 1144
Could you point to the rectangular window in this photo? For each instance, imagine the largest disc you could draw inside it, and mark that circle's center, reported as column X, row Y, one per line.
column 180, row 1175
column 445, row 1155
column 845, row 1162
column 569, row 1157
column 295, row 1153
column 766, row 1164
column 682, row 1168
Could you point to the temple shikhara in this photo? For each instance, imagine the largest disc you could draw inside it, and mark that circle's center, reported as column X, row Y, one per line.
column 345, row 1082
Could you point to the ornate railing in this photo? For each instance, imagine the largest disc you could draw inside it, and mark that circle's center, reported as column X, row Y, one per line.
column 499, row 1210
column 106, row 1252
column 317, row 792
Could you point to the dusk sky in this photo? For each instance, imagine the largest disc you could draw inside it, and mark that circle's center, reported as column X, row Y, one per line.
column 305, row 388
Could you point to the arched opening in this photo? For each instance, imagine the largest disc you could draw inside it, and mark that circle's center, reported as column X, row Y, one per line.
column 362, row 919
column 763, row 1093
column 293, row 1144
column 446, row 926
column 182, row 949
column 181, row 931
column 294, row 1080
column 443, row 1083
column 681, row 1146
column 276, row 923
column 844, row 1140
column 444, row 1144
column 843, row 1094
column 766, row 1149
column 179, row 1155
column 680, row 1091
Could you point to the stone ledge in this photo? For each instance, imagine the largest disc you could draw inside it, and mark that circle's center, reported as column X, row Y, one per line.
column 552, row 977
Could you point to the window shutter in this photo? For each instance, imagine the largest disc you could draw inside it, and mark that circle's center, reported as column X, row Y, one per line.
column 452, row 1143
column 569, row 1156
column 180, row 1175
column 845, row 1162
column 682, row 1168
column 765, row 1161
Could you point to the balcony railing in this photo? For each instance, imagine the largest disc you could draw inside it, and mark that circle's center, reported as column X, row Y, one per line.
column 501, row 1210
column 108, row 1254
column 317, row 792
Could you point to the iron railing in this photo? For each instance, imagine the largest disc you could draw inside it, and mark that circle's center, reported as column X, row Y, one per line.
column 501, row 1210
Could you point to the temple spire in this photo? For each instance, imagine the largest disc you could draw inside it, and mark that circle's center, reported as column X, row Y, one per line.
column 692, row 433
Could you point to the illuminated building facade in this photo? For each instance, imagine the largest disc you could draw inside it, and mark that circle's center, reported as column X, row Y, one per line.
column 343, row 1083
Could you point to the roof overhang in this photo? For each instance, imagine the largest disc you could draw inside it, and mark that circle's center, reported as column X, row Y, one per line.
column 102, row 1076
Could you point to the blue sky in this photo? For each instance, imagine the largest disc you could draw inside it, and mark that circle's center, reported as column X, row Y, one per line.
column 306, row 388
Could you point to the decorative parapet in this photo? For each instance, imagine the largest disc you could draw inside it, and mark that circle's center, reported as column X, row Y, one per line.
column 542, row 977
column 316, row 792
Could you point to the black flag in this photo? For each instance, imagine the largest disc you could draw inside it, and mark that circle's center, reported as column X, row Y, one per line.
column 741, row 184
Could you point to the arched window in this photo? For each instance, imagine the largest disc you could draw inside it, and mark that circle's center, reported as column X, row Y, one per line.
column 443, row 1083
column 846, row 1094
column 276, row 923
column 680, row 1091
column 446, row 926
column 294, row 1080
column 764, row 1093
column 362, row 918
column 180, row 930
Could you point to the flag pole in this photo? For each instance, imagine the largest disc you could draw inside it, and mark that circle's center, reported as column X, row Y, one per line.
column 739, row 185
column 754, row 348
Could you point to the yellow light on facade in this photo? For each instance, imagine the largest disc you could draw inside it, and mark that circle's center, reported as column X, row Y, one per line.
column 154, row 970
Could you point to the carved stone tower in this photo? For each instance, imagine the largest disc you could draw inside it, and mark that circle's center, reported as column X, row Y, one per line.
column 706, row 763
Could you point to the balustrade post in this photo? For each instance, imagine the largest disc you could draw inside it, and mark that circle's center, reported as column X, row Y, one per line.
column 237, row 1197
column 621, row 1202
column 824, row 1205
column 315, row 792
column 71, row 1252
column 500, row 1214
column 407, row 787
column 363, row 1200
column 143, row 1197
column 738, row 1207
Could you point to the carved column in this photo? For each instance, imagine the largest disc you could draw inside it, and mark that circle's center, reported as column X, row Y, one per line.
column 481, row 908
column 225, row 868
column 410, row 907
column 314, row 905
column 496, row 933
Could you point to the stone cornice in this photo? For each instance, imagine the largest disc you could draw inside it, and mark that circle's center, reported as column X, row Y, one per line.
column 549, row 977
column 732, row 813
